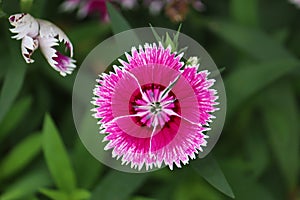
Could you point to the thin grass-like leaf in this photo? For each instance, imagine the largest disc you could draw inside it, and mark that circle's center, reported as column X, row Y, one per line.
column 57, row 158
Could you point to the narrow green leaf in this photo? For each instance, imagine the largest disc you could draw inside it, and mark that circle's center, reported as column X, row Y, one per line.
column 81, row 194
column 250, row 40
column 20, row 156
column 157, row 37
column 13, row 79
column 82, row 159
column 245, row 81
column 54, row 194
column 15, row 116
column 27, row 185
column 176, row 36
column 78, row 194
column 245, row 12
column 125, row 182
column 170, row 42
column 118, row 22
column 209, row 169
column 57, row 158
column 281, row 115
column 12, row 85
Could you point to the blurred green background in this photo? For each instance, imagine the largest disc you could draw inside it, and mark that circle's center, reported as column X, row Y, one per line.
column 258, row 43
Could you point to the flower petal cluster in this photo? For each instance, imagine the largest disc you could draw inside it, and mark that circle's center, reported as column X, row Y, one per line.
column 154, row 110
column 36, row 33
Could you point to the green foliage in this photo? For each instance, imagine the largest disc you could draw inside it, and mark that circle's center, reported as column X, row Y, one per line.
column 60, row 195
column 118, row 180
column 13, row 162
column 245, row 12
column 26, row 185
column 13, row 81
column 282, row 127
column 57, row 158
column 257, row 156
column 11, row 120
column 118, row 24
column 209, row 169
column 26, row 5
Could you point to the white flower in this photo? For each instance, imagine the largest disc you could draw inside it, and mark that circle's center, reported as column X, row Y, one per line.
column 36, row 33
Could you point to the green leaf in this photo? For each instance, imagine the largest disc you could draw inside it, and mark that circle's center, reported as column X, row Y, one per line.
column 209, row 169
column 281, row 115
column 12, row 85
column 245, row 12
column 157, row 37
column 126, row 183
column 250, row 40
column 27, row 185
column 118, row 22
column 15, row 116
column 78, row 194
column 245, row 186
column 13, row 79
column 81, row 194
column 257, row 150
column 82, row 159
column 57, row 158
column 54, row 194
column 26, row 5
column 245, row 81
column 20, row 156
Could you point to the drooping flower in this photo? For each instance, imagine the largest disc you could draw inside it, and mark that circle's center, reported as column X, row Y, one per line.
column 36, row 33
column 296, row 2
column 154, row 110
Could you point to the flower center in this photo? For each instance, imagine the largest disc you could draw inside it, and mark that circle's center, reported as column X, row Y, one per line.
column 153, row 105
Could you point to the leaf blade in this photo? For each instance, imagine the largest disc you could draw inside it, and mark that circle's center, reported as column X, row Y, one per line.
column 263, row 73
column 118, row 22
column 209, row 169
column 250, row 40
column 57, row 158
column 107, row 186
column 27, row 185
column 13, row 162
column 11, row 120
column 281, row 117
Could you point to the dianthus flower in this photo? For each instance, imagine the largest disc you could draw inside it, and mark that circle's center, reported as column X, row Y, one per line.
column 153, row 109
column 36, row 33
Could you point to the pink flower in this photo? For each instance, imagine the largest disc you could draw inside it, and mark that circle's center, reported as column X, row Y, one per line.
column 176, row 10
column 88, row 7
column 153, row 109
column 36, row 33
